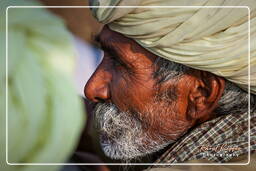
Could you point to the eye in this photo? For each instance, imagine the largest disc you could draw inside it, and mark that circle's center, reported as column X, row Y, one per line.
column 115, row 60
column 116, row 63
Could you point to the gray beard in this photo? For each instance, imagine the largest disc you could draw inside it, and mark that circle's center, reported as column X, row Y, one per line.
column 122, row 135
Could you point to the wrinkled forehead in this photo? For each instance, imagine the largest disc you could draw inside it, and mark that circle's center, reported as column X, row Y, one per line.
column 110, row 39
column 108, row 35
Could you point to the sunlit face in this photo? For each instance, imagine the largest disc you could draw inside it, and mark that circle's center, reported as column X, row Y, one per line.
column 135, row 115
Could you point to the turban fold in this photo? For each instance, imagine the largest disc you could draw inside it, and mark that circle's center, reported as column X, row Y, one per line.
column 45, row 114
column 209, row 39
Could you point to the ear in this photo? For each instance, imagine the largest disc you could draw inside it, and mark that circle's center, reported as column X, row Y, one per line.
column 204, row 95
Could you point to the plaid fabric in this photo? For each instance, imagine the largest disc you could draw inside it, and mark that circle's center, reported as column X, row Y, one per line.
column 218, row 140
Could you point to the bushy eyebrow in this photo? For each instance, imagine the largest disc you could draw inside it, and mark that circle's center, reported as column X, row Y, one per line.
column 97, row 38
column 107, row 46
column 102, row 44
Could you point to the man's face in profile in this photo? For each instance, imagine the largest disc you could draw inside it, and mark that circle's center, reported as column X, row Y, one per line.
column 135, row 114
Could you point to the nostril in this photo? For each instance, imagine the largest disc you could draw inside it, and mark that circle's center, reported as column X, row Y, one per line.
column 99, row 93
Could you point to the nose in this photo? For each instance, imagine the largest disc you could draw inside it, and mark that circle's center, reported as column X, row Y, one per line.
column 97, row 88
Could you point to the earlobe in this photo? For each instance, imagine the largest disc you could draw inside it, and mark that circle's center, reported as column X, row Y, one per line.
column 204, row 96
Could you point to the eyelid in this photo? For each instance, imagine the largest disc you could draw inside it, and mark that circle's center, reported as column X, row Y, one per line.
column 115, row 55
column 111, row 52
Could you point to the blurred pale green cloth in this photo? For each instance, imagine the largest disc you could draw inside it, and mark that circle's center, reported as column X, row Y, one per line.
column 45, row 114
column 209, row 39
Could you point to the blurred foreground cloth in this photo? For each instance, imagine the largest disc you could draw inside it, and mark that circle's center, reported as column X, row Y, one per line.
column 210, row 39
column 45, row 114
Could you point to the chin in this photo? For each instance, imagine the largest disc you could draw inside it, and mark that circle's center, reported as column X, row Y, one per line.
column 119, row 151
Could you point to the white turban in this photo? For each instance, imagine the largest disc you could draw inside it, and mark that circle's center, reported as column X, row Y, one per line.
column 209, row 39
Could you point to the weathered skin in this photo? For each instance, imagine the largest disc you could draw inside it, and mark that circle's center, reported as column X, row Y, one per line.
column 130, row 85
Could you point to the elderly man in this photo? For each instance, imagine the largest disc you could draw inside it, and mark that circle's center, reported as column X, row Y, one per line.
column 146, row 103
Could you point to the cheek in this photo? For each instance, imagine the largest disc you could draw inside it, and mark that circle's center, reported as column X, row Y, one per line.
column 129, row 93
column 165, row 119
column 121, row 91
column 159, row 114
